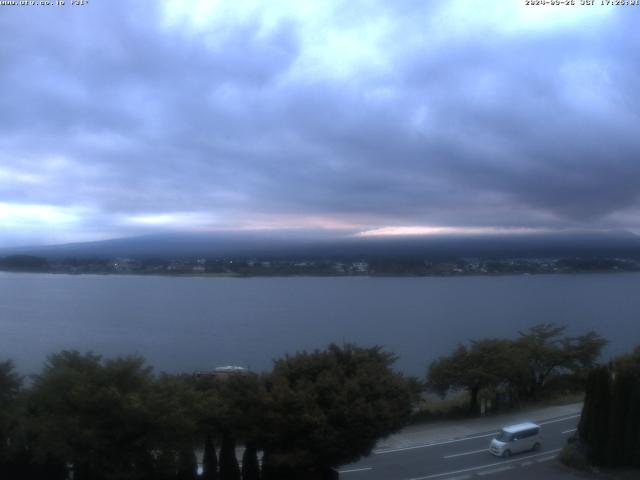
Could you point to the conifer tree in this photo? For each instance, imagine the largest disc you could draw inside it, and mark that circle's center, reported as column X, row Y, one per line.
column 209, row 459
column 188, row 465
column 250, row 466
column 229, row 469
column 616, row 447
column 610, row 423
column 594, row 424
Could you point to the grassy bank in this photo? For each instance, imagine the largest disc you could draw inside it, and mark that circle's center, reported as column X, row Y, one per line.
column 456, row 406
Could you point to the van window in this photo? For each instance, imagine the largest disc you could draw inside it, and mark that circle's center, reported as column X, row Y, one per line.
column 532, row 432
column 504, row 436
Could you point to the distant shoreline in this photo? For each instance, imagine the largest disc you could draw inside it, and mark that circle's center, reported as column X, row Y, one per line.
column 388, row 266
column 310, row 275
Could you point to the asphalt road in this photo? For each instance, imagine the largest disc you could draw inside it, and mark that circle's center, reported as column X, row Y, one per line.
column 460, row 459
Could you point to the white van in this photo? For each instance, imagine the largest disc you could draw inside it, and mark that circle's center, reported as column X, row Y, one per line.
column 516, row 438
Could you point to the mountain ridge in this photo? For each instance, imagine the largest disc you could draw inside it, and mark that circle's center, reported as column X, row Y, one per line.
column 326, row 244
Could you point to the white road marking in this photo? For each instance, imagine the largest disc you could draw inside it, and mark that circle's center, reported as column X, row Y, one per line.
column 470, row 469
column 495, row 470
column 455, row 440
column 461, row 477
column 425, row 445
column 526, row 464
column 570, row 430
column 356, row 470
column 559, row 420
column 467, row 453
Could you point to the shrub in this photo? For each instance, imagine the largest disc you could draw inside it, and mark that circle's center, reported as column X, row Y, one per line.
column 573, row 456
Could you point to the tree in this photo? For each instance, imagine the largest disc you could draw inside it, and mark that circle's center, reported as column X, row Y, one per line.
column 61, row 402
column 485, row 364
column 111, row 418
column 610, row 422
column 624, row 435
column 25, row 263
column 594, row 421
column 10, row 383
column 550, row 354
column 250, row 465
column 209, row 459
column 544, row 352
column 229, row 468
column 187, row 464
column 232, row 407
column 174, row 405
column 327, row 408
column 582, row 352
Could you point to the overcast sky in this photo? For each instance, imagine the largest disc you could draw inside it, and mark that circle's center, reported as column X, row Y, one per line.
column 125, row 118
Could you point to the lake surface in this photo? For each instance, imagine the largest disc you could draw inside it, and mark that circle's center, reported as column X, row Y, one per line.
column 196, row 323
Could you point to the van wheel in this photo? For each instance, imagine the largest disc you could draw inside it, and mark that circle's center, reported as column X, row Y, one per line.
column 536, row 447
column 506, row 454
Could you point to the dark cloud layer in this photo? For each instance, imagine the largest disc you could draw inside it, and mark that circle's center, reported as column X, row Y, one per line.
column 124, row 121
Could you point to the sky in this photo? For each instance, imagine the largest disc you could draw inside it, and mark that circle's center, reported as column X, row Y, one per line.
column 122, row 118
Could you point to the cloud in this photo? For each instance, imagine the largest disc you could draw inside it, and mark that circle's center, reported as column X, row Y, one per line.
column 363, row 115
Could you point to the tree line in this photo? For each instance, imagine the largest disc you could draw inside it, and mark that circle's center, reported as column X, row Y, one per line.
column 107, row 419
column 539, row 362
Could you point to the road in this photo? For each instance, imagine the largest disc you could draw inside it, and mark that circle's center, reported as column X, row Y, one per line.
column 460, row 459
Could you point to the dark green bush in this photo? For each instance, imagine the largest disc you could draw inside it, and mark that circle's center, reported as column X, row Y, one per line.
column 573, row 456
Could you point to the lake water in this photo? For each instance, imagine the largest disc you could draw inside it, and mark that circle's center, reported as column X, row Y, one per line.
column 195, row 323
